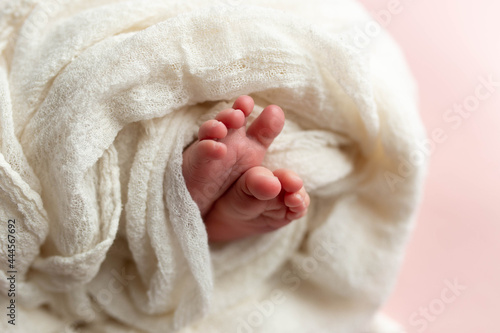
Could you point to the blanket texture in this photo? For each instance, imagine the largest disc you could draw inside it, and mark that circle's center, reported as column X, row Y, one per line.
column 98, row 99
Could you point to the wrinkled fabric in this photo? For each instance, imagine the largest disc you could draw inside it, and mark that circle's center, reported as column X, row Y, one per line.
column 98, row 99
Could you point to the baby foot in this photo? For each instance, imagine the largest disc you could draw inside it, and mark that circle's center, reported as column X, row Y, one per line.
column 260, row 201
column 225, row 149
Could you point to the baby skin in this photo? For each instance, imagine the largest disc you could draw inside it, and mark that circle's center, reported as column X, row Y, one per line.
column 238, row 197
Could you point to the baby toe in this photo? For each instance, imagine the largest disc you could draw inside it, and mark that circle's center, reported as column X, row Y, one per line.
column 261, row 183
column 294, row 199
column 244, row 103
column 208, row 150
column 212, row 129
column 290, row 181
column 231, row 118
column 297, row 203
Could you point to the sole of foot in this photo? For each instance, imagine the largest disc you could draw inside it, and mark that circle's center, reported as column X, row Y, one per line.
column 260, row 201
column 226, row 149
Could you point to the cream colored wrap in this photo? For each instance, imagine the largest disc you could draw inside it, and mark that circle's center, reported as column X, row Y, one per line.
column 98, row 99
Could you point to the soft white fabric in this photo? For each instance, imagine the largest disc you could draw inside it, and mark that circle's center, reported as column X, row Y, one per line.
column 98, row 99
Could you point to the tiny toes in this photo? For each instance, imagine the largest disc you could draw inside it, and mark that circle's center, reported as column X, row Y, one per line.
column 297, row 209
column 212, row 129
column 261, row 183
column 209, row 150
column 294, row 199
column 232, row 118
column 290, row 181
column 297, row 203
column 244, row 103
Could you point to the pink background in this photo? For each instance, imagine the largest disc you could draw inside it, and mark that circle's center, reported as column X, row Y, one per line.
column 449, row 44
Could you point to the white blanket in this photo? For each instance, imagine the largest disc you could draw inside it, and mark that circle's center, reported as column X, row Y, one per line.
column 98, row 99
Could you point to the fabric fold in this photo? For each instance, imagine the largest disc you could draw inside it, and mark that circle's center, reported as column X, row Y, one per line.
column 98, row 100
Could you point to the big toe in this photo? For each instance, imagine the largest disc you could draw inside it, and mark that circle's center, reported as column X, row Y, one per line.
column 268, row 125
